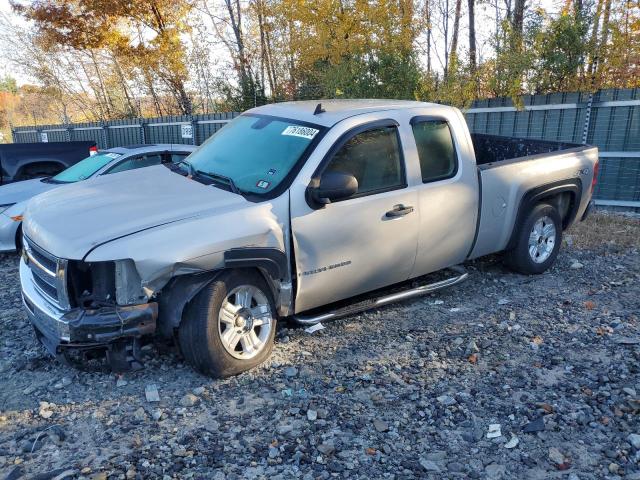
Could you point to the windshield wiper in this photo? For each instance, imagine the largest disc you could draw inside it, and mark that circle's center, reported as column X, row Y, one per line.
column 220, row 179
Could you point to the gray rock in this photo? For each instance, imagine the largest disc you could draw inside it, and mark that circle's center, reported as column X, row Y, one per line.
column 472, row 347
column 312, row 415
column 326, row 448
column 189, row 400
column 634, row 439
column 290, row 372
column 437, row 456
column 446, row 400
column 284, row 429
column 495, row 471
column 534, row 426
column 429, row 465
column 380, row 425
column 198, row 390
column 455, row 467
column 555, row 456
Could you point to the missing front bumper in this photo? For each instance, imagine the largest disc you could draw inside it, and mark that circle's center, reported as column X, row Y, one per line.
column 92, row 328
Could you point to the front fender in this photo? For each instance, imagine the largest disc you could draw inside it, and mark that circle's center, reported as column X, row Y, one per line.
column 195, row 245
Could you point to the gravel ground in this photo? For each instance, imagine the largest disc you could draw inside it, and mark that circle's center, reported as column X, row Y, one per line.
column 504, row 376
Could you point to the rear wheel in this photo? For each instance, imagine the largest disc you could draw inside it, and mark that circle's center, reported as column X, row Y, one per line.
column 229, row 327
column 538, row 241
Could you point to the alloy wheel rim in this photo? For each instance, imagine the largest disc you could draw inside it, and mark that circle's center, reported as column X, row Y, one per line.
column 542, row 239
column 245, row 322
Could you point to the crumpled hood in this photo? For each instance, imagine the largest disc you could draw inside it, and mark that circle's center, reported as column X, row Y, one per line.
column 20, row 191
column 71, row 220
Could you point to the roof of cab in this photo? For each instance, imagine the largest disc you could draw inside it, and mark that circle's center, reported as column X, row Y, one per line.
column 334, row 110
column 150, row 147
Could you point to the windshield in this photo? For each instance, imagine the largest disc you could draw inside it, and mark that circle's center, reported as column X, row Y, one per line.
column 253, row 154
column 85, row 168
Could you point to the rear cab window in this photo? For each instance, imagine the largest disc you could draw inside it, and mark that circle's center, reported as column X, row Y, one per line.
column 436, row 149
column 137, row 161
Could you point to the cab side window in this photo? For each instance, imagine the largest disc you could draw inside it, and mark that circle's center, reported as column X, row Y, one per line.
column 139, row 161
column 374, row 158
column 437, row 153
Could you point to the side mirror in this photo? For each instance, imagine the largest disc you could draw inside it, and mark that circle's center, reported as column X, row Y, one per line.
column 333, row 186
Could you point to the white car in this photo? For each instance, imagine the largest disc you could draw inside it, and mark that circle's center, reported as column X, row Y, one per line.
column 14, row 196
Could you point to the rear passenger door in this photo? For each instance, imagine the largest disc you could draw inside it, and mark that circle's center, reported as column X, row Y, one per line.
column 352, row 246
column 447, row 198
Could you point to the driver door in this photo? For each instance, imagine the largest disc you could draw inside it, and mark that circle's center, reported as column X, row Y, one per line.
column 363, row 242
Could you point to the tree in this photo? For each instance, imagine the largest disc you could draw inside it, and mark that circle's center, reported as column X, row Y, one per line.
column 453, row 54
column 472, row 35
column 145, row 35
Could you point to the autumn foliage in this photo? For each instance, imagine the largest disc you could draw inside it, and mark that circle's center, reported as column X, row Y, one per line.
column 106, row 59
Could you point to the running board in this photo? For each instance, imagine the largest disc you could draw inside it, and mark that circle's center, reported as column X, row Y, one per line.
column 385, row 300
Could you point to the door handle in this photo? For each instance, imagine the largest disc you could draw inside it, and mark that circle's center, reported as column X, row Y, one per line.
column 399, row 211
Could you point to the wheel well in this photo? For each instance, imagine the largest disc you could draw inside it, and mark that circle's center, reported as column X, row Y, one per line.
column 563, row 195
column 564, row 203
column 39, row 168
column 181, row 290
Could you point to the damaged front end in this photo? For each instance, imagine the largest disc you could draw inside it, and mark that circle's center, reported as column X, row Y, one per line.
column 88, row 307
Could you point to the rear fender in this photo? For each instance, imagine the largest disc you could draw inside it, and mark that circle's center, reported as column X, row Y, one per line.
column 557, row 193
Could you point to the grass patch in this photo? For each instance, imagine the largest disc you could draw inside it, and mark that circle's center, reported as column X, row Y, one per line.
column 604, row 228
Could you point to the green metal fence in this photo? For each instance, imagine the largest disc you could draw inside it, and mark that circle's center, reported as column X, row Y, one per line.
column 189, row 129
column 609, row 119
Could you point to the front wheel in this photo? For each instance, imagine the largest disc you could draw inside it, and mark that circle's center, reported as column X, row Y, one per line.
column 229, row 327
column 538, row 241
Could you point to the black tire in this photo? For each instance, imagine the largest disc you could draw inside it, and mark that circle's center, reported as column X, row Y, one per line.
column 199, row 332
column 519, row 258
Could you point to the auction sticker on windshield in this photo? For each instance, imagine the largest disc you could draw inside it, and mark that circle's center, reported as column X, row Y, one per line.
column 298, row 131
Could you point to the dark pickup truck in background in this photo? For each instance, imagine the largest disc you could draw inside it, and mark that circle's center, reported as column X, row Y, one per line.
column 22, row 161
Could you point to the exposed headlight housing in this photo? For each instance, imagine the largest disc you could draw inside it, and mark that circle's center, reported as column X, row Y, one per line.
column 99, row 284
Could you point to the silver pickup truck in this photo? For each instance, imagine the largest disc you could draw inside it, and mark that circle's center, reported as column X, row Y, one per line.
column 295, row 210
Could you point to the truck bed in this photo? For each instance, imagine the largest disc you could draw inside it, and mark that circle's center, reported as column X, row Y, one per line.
column 490, row 149
column 509, row 167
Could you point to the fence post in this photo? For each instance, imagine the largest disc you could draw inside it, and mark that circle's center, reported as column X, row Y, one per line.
column 142, row 135
column 13, row 134
column 67, row 133
column 104, row 135
column 194, row 131
column 587, row 119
